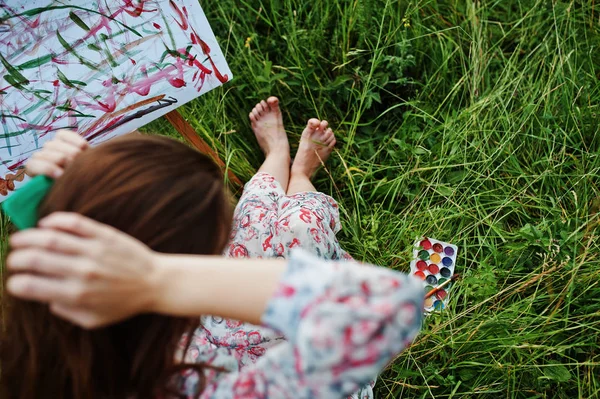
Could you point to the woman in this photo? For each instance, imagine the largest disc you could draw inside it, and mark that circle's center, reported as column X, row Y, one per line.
column 169, row 197
column 322, row 372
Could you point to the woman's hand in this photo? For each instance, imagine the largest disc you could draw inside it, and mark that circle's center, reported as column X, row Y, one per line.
column 89, row 273
column 93, row 275
column 56, row 154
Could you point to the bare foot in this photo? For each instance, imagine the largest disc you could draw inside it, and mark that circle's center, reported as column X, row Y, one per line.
column 316, row 144
column 267, row 125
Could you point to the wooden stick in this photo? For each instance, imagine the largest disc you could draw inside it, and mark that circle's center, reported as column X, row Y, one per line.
column 439, row 287
column 188, row 132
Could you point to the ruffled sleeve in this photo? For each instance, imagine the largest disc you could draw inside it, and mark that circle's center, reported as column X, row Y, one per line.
column 343, row 323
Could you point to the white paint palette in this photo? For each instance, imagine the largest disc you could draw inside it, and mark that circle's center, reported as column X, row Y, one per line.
column 434, row 262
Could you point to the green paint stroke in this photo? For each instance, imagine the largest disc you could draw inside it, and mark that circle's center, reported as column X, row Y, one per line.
column 78, row 21
column 36, row 62
column 174, row 45
column 14, row 76
column 71, row 50
column 40, row 10
column 67, row 81
column 15, row 83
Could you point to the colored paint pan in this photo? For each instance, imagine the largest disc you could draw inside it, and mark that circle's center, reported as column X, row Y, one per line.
column 445, row 272
column 429, row 302
column 421, row 265
column 433, row 268
column 431, row 279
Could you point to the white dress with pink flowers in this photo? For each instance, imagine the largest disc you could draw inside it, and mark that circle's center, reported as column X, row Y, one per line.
column 262, row 363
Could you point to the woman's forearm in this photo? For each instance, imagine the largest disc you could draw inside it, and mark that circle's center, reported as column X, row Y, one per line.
column 226, row 287
column 94, row 275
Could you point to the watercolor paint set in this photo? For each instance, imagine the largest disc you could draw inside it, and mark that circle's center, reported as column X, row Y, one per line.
column 434, row 262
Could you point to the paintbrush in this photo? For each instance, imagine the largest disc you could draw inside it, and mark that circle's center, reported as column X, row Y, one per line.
column 439, row 287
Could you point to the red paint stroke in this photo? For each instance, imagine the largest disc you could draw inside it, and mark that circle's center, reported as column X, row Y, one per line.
column 173, row 74
column 57, row 60
column 191, row 60
column 108, row 103
column 138, row 9
column 206, row 52
column 71, row 114
column 184, row 22
column 176, row 82
column 30, row 24
column 30, row 126
column 157, row 26
column 17, row 165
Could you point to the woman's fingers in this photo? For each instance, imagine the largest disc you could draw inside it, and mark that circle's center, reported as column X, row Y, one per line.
column 77, row 315
column 52, row 240
column 43, row 289
column 38, row 261
column 69, row 136
column 60, row 158
column 37, row 167
column 56, row 154
column 80, row 225
column 95, row 273
column 62, row 147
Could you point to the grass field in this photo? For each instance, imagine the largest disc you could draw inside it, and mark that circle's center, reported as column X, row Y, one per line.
column 474, row 122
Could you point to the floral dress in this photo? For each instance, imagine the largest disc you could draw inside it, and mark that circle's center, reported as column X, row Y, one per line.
column 267, row 223
column 343, row 323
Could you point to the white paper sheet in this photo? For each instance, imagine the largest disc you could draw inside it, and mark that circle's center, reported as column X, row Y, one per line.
column 102, row 68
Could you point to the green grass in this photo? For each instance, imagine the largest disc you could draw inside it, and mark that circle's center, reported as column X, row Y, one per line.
column 471, row 122
column 474, row 122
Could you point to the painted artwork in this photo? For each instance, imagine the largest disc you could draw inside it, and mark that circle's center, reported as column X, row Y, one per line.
column 102, row 68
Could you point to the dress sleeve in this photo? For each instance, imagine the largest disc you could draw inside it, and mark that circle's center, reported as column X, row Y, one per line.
column 343, row 323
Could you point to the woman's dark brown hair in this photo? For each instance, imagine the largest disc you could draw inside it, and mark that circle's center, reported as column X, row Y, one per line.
column 166, row 195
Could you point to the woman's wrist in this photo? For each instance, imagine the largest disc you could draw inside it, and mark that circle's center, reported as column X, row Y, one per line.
column 195, row 285
column 179, row 285
column 161, row 286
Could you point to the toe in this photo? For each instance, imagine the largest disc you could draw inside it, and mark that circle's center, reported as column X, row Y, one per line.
column 329, row 135
column 312, row 124
column 323, row 126
column 332, row 143
column 273, row 102
column 265, row 106
column 256, row 113
column 251, row 116
column 259, row 109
